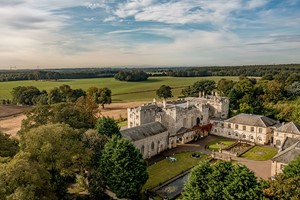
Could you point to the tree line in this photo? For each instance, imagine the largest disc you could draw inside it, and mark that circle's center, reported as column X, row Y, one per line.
column 251, row 70
column 131, row 74
column 31, row 95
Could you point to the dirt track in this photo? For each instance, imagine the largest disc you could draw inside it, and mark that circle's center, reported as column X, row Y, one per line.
column 10, row 120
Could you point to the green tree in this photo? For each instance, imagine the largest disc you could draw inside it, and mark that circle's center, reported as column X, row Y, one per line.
column 25, row 95
column 107, row 126
column 104, row 97
column 22, row 178
column 95, row 142
column 206, row 86
column 164, row 92
column 8, row 146
column 223, row 180
column 59, row 149
column 283, row 188
column 76, row 115
column 123, row 167
column 224, row 86
column 101, row 95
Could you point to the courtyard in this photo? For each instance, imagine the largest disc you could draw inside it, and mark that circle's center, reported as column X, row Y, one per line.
column 161, row 169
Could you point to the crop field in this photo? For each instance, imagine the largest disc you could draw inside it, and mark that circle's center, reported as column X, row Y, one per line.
column 121, row 91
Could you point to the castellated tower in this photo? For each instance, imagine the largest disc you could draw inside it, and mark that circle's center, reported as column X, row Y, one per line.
column 182, row 113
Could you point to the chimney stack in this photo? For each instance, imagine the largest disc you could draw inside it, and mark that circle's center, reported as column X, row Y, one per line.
column 164, row 103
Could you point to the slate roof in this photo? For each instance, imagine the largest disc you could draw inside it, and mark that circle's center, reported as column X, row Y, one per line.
column 143, row 131
column 289, row 154
column 288, row 142
column 290, row 127
column 183, row 130
column 252, row 120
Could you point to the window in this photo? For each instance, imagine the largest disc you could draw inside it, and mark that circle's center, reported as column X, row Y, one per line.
column 236, row 134
column 131, row 124
column 236, row 126
column 229, row 133
column 244, row 136
column 130, row 116
column 142, row 149
column 260, row 130
column 137, row 116
column 259, row 138
column 244, row 128
column 251, row 137
column 222, row 124
column 215, row 130
column 229, row 125
column 152, row 146
column 252, row 129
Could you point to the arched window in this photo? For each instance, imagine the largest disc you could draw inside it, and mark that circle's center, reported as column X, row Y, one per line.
column 198, row 121
column 142, row 149
column 152, row 146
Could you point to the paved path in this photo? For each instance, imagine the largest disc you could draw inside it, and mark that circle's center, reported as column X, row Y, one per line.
column 262, row 169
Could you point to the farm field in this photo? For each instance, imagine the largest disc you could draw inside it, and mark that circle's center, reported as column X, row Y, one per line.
column 121, row 91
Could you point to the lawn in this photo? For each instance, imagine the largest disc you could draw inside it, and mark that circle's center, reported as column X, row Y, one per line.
column 260, row 153
column 165, row 170
column 214, row 145
column 121, row 91
column 122, row 124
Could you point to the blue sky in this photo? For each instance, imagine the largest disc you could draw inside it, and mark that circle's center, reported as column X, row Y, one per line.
column 95, row 33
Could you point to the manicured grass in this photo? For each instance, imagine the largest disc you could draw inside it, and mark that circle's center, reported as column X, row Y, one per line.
column 214, row 145
column 165, row 170
column 118, row 87
column 123, row 123
column 260, row 153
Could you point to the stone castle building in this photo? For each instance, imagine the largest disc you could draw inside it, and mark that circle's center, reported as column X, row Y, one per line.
column 164, row 125
column 155, row 127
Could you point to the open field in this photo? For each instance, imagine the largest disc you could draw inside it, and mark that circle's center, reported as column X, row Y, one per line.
column 165, row 170
column 260, row 153
column 122, row 91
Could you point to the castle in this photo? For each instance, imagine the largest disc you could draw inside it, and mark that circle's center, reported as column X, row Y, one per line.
column 154, row 127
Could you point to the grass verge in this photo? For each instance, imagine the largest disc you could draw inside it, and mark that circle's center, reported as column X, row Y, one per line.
column 164, row 170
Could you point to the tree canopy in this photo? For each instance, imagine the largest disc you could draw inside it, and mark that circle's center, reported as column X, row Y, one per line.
column 22, row 178
column 8, row 146
column 107, row 126
column 134, row 75
column 79, row 115
column 59, row 149
column 164, row 92
column 223, row 180
column 206, row 86
column 123, row 167
column 100, row 95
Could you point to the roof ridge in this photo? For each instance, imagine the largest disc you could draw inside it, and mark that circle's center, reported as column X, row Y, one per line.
column 262, row 120
column 286, row 150
column 295, row 125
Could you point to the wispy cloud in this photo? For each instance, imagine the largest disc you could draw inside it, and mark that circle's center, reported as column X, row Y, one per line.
column 148, row 32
